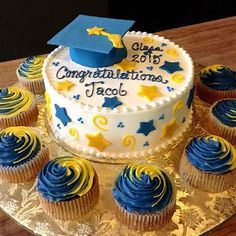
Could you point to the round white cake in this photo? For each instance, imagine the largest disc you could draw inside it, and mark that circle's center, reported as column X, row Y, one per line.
column 131, row 109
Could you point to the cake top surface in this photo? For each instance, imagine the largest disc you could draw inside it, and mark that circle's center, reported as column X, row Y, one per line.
column 154, row 71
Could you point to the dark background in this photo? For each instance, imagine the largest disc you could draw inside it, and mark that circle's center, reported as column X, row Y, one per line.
column 26, row 25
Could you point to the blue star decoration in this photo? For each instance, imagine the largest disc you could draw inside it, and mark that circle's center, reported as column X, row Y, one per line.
column 111, row 102
column 61, row 114
column 171, row 67
column 145, row 127
column 190, row 97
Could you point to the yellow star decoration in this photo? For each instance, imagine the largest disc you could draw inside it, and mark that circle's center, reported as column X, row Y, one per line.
column 178, row 106
column 95, row 31
column 177, row 78
column 149, row 92
column 64, row 86
column 172, row 52
column 98, row 141
column 169, row 129
column 126, row 65
column 48, row 102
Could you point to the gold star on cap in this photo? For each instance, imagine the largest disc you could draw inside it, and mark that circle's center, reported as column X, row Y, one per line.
column 65, row 85
column 149, row 92
column 98, row 141
column 95, row 31
column 126, row 65
column 169, row 129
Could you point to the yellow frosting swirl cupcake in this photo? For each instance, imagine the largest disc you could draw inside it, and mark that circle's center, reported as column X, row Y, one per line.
column 17, row 107
column 67, row 183
column 29, row 74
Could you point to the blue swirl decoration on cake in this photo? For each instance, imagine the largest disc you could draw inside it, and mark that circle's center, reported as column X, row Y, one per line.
column 31, row 68
column 211, row 154
column 14, row 100
column 143, row 188
column 18, row 145
column 218, row 77
column 65, row 178
column 225, row 112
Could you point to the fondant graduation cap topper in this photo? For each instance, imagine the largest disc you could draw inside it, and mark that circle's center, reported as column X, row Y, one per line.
column 94, row 41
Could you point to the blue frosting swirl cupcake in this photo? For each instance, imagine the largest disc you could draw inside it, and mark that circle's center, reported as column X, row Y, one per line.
column 29, row 74
column 211, row 154
column 222, row 119
column 225, row 112
column 68, row 187
column 146, row 191
column 218, row 77
column 18, row 145
column 216, row 82
column 209, row 163
column 22, row 154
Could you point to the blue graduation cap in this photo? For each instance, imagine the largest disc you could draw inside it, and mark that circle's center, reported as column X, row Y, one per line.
column 94, row 41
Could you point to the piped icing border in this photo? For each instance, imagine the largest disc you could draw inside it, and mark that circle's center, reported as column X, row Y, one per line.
column 164, row 101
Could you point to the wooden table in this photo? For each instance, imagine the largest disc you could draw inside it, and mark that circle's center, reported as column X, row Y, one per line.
column 208, row 43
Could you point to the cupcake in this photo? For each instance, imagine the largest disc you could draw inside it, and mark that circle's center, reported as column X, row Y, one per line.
column 68, row 188
column 222, row 119
column 216, row 82
column 209, row 164
column 29, row 74
column 144, row 197
column 22, row 154
column 17, row 107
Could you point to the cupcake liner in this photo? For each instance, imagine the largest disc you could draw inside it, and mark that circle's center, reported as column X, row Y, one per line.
column 24, row 118
column 216, row 127
column 26, row 171
column 72, row 209
column 35, row 86
column 212, row 95
column 205, row 181
column 146, row 222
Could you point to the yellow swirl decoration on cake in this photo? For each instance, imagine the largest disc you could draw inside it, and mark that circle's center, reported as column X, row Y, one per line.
column 177, row 78
column 129, row 141
column 65, row 177
column 31, row 68
column 172, row 52
column 74, row 133
column 148, row 39
column 14, row 101
column 18, row 145
column 178, row 106
column 99, row 121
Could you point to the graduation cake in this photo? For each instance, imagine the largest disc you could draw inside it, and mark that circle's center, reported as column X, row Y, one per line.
column 116, row 94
